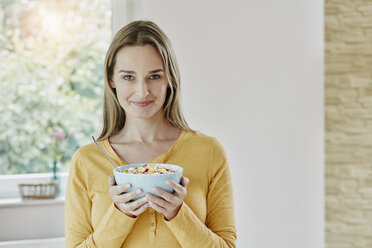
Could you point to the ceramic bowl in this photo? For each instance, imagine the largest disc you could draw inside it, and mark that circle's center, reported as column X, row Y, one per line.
column 147, row 182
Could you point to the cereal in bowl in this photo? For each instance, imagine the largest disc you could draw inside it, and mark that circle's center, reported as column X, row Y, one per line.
column 148, row 169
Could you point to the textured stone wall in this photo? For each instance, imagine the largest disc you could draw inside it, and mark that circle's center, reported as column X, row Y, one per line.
column 348, row 123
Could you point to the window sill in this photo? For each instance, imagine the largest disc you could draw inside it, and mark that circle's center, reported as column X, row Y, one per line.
column 19, row 202
column 9, row 183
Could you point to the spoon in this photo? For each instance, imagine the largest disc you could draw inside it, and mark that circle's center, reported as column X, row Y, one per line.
column 112, row 162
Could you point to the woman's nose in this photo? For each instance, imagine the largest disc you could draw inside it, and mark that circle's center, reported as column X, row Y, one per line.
column 141, row 89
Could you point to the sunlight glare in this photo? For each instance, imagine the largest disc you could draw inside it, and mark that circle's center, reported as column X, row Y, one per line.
column 52, row 23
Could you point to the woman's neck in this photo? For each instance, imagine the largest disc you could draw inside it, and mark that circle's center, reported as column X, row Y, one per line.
column 146, row 130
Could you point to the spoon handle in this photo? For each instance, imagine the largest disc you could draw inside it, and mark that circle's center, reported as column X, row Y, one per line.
column 112, row 162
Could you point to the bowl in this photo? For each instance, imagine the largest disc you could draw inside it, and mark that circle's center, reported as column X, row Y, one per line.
column 147, row 182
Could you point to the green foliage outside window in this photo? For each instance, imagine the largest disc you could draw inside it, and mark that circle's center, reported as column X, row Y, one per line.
column 51, row 77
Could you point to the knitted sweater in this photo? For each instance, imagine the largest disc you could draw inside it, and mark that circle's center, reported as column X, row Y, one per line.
column 206, row 218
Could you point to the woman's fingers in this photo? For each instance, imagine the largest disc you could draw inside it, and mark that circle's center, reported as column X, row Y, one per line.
column 127, row 197
column 139, row 206
column 169, row 204
column 111, row 181
column 117, row 192
column 184, row 182
column 141, row 209
column 180, row 192
column 162, row 202
column 165, row 195
column 135, row 208
column 157, row 207
column 179, row 188
column 122, row 198
column 131, row 206
column 119, row 189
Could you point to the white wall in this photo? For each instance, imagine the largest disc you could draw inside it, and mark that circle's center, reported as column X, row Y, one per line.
column 252, row 76
column 31, row 219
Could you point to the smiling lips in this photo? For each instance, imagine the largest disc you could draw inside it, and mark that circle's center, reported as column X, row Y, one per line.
column 142, row 103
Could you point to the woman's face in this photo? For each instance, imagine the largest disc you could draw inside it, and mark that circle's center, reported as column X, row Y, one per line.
column 140, row 82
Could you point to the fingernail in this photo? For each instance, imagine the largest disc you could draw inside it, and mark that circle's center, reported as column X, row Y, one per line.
column 168, row 182
column 138, row 191
column 127, row 185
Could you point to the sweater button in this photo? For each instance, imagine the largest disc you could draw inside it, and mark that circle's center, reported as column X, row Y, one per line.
column 153, row 224
column 152, row 212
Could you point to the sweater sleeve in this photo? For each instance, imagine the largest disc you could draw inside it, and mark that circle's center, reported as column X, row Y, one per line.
column 79, row 231
column 219, row 229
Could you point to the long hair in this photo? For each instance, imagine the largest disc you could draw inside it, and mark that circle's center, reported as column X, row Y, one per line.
column 141, row 33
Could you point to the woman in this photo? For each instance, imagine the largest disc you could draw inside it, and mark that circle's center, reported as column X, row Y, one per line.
column 143, row 123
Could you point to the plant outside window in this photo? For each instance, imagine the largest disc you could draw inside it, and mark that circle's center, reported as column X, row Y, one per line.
column 51, row 60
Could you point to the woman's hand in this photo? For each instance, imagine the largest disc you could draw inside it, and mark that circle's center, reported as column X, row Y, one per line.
column 171, row 203
column 122, row 200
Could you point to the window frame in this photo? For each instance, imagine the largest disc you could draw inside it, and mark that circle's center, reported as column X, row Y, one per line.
column 9, row 183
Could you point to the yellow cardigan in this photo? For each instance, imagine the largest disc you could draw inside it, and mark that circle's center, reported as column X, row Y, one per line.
column 206, row 218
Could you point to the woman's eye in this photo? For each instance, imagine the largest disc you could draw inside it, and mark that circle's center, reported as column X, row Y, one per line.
column 154, row 77
column 127, row 77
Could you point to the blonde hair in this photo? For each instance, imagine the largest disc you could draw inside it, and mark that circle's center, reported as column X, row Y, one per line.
column 141, row 33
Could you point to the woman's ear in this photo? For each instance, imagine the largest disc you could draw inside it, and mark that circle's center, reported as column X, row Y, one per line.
column 112, row 84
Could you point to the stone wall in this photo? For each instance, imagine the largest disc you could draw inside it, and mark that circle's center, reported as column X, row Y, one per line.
column 348, row 123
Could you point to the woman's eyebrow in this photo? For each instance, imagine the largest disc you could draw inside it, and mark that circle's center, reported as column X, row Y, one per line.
column 129, row 72
column 155, row 71
column 150, row 72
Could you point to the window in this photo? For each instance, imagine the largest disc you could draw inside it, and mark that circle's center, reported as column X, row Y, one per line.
column 51, row 78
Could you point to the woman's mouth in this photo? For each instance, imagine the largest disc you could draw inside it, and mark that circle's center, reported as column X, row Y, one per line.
column 142, row 103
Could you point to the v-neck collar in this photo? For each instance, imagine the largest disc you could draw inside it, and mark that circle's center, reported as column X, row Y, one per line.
column 105, row 144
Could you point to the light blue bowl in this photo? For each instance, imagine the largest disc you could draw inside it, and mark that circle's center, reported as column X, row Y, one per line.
column 147, row 182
